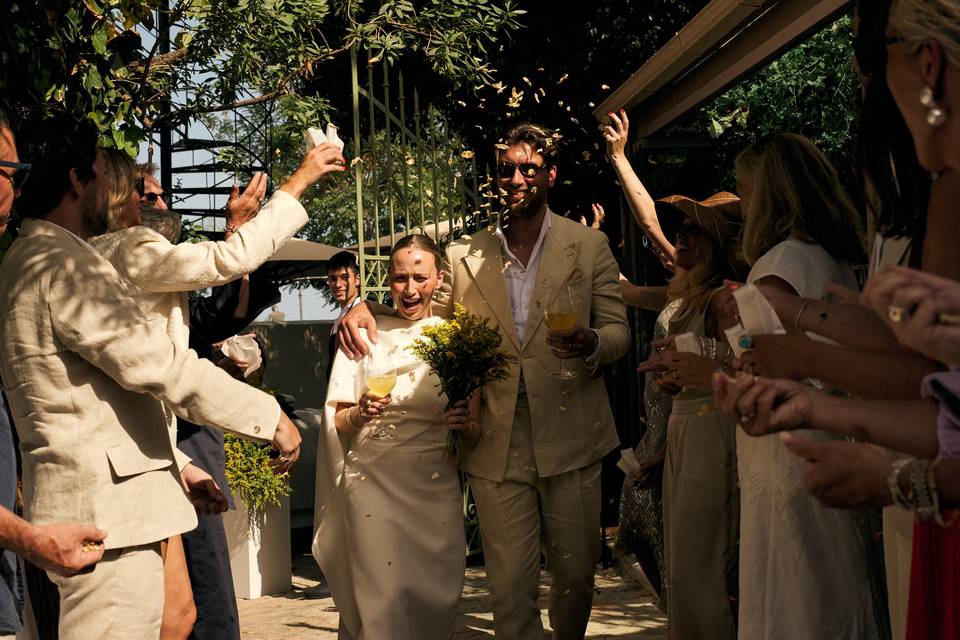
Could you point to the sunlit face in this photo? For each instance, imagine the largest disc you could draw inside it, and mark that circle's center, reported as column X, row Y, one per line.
column 688, row 244
column 8, row 152
column 344, row 284
column 524, row 180
column 153, row 194
column 413, row 278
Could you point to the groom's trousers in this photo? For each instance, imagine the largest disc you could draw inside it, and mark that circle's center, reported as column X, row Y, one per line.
column 526, row 514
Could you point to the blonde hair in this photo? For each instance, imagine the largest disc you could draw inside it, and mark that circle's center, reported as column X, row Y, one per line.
column 919, row 20
column 122, row 177
column 717, row 261
column 796, row 193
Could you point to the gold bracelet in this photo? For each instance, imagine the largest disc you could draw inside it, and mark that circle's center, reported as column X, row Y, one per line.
column 350, row 421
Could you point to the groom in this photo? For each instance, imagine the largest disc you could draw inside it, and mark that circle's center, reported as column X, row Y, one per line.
column 535, row 473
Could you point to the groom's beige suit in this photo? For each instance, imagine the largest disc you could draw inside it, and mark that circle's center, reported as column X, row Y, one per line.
column 536, row 471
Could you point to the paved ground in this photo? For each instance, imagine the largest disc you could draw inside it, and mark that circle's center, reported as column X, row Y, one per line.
column 620, row 610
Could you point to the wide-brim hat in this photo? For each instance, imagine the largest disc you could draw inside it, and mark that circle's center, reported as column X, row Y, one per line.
column 718, row 215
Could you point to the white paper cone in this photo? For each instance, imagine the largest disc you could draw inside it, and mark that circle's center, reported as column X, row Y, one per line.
column 332, row 136
column 314, row 138
column 243, row 349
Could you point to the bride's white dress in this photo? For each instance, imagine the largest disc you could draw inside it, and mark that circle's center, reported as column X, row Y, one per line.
column 390, row 538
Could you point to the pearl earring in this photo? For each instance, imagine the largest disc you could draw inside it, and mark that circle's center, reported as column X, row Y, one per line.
column 936, row 115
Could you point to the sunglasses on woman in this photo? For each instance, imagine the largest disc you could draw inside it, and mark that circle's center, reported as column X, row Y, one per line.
column 21, row 171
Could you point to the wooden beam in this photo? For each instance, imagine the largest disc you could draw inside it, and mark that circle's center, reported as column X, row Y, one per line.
column 767, row 32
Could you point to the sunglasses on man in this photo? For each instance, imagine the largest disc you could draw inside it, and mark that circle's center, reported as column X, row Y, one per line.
column 151, row 197
column 21, row 171
column 528, row 170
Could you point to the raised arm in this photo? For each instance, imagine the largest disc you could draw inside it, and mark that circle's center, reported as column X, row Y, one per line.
column 150, row 262
column 638, row 198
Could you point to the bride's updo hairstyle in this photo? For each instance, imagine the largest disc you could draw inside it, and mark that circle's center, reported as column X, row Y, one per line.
column 418, row 241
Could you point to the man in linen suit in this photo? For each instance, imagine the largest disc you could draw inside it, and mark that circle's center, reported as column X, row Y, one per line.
column 84, row 373
column 56, row 547
column 535, row 473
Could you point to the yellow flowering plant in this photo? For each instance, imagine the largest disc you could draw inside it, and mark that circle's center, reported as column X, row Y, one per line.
column 464, row 352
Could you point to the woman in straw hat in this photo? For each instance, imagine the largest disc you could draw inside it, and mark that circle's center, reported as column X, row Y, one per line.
column 700, row 497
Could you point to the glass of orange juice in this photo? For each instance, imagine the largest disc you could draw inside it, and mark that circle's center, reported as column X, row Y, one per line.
column 560, row 314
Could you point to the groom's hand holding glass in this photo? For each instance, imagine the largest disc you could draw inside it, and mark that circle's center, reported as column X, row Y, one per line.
column 576, row 342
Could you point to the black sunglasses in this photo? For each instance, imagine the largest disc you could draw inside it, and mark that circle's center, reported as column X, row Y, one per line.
column 151, row 198
column 528, row 170
column 21, row 171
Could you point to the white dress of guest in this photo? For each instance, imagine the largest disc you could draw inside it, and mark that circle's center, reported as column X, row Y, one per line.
column 803, row 567
column 390, row 539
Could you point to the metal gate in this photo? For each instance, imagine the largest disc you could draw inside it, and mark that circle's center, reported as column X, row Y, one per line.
column 413, row 174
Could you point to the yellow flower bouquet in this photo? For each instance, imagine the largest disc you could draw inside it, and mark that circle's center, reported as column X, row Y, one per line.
column 464, row 352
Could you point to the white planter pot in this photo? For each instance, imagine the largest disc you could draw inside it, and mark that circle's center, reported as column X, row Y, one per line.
column 259, row 550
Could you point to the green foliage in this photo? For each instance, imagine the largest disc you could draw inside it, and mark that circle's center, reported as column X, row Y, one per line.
column 464, row 352
column 88, row 59
column 811, row 90
column 250, row 476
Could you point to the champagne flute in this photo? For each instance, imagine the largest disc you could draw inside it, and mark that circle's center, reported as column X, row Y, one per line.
column 380, row 374
column 561, row 314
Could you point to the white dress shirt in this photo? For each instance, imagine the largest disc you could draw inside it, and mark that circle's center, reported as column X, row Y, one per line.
column 521, row 280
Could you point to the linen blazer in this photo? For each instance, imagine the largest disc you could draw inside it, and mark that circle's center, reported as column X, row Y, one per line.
column 160, row 274
column 572, row 422
column 84, row 371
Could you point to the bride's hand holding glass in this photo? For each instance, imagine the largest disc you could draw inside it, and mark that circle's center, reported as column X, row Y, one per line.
column 373, row 406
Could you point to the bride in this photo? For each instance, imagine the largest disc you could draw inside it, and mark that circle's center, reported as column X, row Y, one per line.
column 390, row 538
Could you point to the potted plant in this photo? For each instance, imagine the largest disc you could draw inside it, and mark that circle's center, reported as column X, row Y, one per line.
column 258, row 531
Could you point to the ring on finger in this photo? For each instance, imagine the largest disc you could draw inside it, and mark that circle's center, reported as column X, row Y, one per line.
column 897, row 314
column 747, row 419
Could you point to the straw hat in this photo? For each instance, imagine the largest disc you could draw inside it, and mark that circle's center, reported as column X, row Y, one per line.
column 718, row 215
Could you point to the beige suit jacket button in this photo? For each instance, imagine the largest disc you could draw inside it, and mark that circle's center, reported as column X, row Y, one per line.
column 256, row 429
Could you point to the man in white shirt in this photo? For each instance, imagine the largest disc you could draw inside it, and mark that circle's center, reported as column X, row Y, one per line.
column 535, row 472
column 343, row 279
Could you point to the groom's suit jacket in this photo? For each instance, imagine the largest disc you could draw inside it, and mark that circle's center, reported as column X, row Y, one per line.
column 83, row 369
column 572, row 422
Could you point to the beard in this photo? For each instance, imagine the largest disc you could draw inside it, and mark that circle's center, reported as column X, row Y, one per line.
column 93, row 213
column 530, row 206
